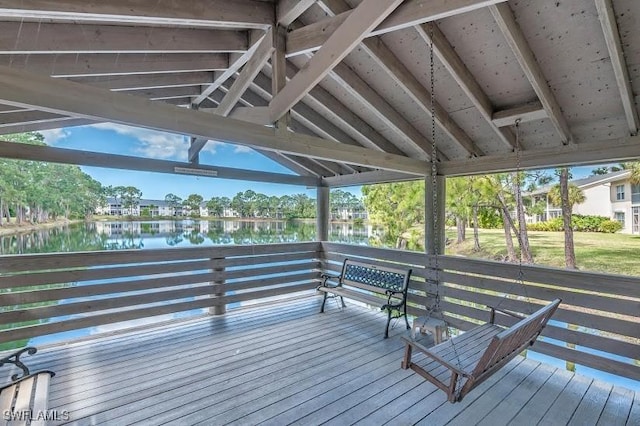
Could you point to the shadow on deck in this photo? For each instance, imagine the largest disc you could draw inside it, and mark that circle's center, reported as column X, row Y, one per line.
column 286, row 363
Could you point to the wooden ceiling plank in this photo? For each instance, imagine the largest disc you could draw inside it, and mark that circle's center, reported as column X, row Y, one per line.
column 288, row 11
column 612, row 38
column 164, row 93
column 108, row 64
column 44, row 125
column 114, row 161
column 516, row 40
column 210, row 13
column 366, row 16
column 524, row 113
column 48, row 38
column 461, row 74
column 30, row 116
column 411, row 12
column 146, row 81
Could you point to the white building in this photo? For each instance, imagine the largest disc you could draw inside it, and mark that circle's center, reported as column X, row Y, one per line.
column 611, row 195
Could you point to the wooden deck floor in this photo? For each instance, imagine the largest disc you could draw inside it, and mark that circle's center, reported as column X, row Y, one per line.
column 287, row 364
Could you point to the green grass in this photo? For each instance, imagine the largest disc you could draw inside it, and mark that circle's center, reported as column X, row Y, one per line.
column 597, row 252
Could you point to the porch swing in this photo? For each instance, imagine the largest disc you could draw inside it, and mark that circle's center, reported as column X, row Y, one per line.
column 461, row 363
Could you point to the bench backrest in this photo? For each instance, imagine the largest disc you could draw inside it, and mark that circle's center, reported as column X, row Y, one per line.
column 374, row 278
column 513, row 340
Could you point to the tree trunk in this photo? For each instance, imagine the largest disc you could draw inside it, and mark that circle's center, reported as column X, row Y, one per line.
column 461, row 228
column 569, row 251
column 523, row 237
column 506, row 219
column 476, row 236
column 1, row 212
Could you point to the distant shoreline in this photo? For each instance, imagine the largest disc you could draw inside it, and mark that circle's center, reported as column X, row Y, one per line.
column 14, row 228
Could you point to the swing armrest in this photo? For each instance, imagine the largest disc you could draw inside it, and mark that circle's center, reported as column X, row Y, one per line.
column 503, row 311
column 437, row 358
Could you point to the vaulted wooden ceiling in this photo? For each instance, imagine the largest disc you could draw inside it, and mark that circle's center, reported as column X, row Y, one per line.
column 339, row 91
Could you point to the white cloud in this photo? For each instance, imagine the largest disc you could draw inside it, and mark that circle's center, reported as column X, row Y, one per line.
column 241, row 149
column 53, row 136
column 154, row 144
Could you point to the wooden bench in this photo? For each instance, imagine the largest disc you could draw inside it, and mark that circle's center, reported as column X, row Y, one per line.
column 460, row 364
column 366, row 283
column 27, row 397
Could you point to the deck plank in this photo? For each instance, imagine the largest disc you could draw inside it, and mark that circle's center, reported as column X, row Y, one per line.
column 592, row 404
column 617, row 408
column 287, row 364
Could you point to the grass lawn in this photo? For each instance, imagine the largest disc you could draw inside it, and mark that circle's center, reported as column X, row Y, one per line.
column 597, row 252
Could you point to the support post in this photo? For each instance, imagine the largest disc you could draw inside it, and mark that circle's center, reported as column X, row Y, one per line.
column 218, row 283
column 322, row 213
column 430, row 244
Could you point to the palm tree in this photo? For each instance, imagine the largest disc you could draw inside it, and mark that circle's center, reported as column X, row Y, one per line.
column 566, row 196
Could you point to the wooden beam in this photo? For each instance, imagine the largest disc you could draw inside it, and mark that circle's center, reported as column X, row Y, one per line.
column 63, row 97
column 400, row 75
column 164, row 93
column 515, row 38
column 248, row 74
column 410, row 13
column 33, row 37
column 146, row 81
column 414, row 143
column 466, row 81
column 319, row 98
column 113, row 161
column 288, row 11
column 44, row 125
column 524, row 113
column 210, row 13
column 253, row 62
column 290, row 164
column 348, row 35
column 104, row 64
column 30, row 116
column 612, row 38
column 616, row 150
column 231, row 70
column 366, row 178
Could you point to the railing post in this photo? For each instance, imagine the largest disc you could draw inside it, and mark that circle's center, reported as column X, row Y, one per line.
column 322, row 214
column 218, row 283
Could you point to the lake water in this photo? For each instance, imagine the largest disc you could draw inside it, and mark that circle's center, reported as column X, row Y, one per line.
column 114, row 235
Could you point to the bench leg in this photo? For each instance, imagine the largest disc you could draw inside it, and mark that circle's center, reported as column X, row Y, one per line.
column 406, row 362
column 324, row 300
column 342, row 300
column 406, row 320
column 386, row 331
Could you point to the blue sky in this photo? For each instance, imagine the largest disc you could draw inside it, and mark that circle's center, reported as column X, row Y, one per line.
column 125, row 140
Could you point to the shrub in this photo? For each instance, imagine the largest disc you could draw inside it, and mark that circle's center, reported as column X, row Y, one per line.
column 610, row 226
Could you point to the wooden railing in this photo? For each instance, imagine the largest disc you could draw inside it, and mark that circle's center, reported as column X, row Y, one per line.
column 50, row 293
column 600, row 313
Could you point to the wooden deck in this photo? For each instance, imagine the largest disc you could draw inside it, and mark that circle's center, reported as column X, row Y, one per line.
column 288, row 364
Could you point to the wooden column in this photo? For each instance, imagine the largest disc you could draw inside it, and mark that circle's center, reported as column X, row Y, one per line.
column 218, row 281
column 430, row 243
column 322, row 213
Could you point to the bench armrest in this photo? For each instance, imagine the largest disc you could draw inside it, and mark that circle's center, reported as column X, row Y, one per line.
column 503, row 311
column 436, row 358
column 14, row 359
column 326, row 277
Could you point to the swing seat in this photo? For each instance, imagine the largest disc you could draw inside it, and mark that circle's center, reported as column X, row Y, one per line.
column 462, row 363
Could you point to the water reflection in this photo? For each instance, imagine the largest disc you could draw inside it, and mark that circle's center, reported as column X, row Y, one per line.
column 123, row 235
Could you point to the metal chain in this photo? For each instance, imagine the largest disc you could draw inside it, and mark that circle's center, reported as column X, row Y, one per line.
column 434, row 170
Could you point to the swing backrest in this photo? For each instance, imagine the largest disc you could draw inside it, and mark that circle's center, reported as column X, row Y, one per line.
column 508, row 343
